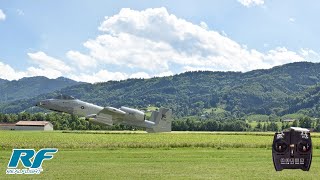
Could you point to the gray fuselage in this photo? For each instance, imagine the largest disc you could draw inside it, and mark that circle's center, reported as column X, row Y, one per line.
column 72, row 106
column 88, row 110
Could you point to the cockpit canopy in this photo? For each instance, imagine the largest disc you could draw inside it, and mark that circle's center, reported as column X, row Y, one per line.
column 64, row 97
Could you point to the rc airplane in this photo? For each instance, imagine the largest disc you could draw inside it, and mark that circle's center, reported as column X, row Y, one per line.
column 160, row 121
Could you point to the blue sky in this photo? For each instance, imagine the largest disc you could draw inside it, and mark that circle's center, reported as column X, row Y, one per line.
column 98, row 41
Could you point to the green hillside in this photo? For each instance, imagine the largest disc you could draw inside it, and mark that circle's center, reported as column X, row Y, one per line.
column 31, row 87
column 271, row 91
column 2, row 81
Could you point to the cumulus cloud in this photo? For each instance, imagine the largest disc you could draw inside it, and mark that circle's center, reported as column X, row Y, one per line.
column 140, row 75
column 249, row 3
column 309, row 54
column 162, row 74
column 153, row 42
column 2, row 15
column 101, row 76
column 81, row 60
column 47, row 62
column 48, row 72
column 7, row 72
column 131, row 51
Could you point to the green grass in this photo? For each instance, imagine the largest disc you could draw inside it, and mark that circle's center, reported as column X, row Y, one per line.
column 214, row 110
column 129, row 139
column 135, row 140
column 257, row 117
column 293, row 116
column 152, row 108
column 179, row 155
column 149, row 111
column 180, row 163
column 253, row 124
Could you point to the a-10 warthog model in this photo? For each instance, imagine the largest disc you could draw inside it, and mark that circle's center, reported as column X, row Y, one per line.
column 160, row 121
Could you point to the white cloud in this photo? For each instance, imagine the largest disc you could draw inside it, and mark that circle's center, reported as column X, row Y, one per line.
column 47, row 62
column 153, row 40
column 249, row 3
column 101, row 76
column 81, row 60
column 2, row 15
column 204, row 25
column 310, row 55
column 48, row 72
column 190, row 68
column 280, row 56
column 130, row 50
column 152, row 43
column 7, row 72
column 167, row 73
column 140, row 75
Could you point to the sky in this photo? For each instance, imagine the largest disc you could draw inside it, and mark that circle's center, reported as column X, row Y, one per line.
column 98, row 41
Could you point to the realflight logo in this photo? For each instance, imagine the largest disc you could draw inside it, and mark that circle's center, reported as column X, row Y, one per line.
column 30, row 160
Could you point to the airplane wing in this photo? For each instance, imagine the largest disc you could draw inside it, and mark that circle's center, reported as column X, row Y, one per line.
column 109, row 115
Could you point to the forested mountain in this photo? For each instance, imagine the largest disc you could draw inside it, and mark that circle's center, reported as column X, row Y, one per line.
column 278, row 90
column 307, row 102
column 3, row 81
column 31, row 87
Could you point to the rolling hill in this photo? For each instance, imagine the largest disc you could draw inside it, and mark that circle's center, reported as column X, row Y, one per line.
column 31, row 87
column 2, row 81
column 270, row 91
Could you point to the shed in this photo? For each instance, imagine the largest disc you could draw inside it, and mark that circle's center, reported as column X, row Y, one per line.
column 34, row 125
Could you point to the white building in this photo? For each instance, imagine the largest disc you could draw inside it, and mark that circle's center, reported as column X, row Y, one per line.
column 28, row 125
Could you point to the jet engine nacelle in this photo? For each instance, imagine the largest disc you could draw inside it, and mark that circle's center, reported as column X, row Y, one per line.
column 133, row 114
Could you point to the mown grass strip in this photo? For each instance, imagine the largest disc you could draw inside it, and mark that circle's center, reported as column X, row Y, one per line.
column 93, row 140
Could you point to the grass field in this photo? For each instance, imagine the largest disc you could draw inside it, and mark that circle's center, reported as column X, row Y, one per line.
column 104, row 155
column 254, row 124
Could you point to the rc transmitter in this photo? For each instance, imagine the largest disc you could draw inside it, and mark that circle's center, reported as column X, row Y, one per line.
column 292, row 149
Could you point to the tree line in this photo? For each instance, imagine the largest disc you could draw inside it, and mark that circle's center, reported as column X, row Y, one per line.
column 63, row 121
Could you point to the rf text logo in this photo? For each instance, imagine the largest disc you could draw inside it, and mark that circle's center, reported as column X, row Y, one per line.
column 30, row 160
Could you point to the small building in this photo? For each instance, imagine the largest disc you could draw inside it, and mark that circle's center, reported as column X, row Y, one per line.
column 7, row 126
column 34, row 125
column 203, row 116
column 288, row 120
column 27, row 125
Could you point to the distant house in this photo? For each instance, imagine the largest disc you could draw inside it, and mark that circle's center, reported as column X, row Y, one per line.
column 28, row 125
column 203, row 116
column 288, row 120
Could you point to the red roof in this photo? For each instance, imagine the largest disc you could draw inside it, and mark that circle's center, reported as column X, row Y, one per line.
column 32, row 123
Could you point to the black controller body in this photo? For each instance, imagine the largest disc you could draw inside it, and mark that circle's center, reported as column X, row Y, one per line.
column 292, row 149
